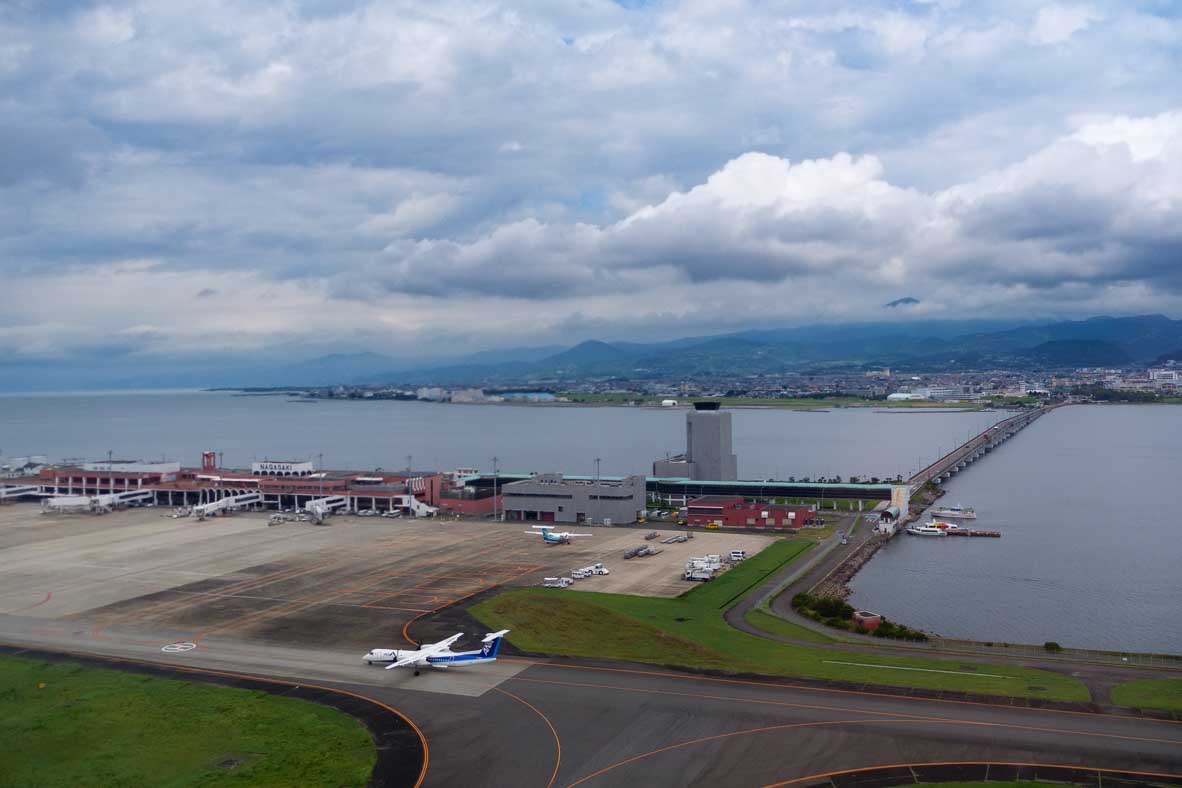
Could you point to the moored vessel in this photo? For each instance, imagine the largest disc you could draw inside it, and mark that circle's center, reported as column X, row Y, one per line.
column 958, row 511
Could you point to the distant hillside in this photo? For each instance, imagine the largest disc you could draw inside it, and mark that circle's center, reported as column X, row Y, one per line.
column 1173, row 355
column 921, row 346
column 1078, row 353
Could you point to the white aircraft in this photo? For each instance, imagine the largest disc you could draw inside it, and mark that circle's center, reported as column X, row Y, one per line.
column 438, row 655
column 550, row 536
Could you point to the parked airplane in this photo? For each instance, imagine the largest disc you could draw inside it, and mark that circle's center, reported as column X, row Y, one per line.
column 550, row 536
column 438, row 655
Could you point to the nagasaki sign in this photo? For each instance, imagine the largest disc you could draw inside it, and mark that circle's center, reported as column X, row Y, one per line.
column 282, row 467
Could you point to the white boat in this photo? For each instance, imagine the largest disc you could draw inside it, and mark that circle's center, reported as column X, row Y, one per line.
column 943, row 526
column 926, row 530
column 959, row 512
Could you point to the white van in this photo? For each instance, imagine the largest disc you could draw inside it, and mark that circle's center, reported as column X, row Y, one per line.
column 579, row 574
column 738, row 555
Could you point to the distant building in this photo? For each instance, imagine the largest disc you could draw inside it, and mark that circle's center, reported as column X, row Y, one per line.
column 468, row 396
column 553, row 498
column 735, row 512
column 709, row 452
column 281, row 468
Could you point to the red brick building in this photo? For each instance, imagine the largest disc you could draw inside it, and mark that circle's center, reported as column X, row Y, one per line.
column 736, row 512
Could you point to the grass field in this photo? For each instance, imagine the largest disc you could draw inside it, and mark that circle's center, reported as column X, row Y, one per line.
column 578, row 623
column 761, row 619
column 68, row 725
column 1163, row 694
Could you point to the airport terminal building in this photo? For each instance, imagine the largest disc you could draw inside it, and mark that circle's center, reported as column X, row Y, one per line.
column 553, row 498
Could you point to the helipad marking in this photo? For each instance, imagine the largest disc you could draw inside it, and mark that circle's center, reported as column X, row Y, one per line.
column 921, row 670
column 178, row 648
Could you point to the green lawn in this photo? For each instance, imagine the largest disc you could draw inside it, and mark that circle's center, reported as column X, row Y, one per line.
column 772, row 624
column 580, row 623
column 68, row 725
column 1150, row 694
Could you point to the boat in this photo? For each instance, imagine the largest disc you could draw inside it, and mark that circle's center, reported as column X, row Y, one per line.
column 926, row 530
column 958, row 511
column 943, row 526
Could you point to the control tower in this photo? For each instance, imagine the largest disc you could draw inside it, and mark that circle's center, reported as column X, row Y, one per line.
column 709, row 454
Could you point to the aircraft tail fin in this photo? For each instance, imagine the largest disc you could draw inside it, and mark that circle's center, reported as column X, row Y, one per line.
column 492, row 644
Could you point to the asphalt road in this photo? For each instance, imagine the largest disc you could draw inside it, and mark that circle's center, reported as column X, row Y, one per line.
column 582, row 723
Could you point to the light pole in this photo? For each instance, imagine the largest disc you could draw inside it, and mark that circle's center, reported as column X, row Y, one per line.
column 320, row 465
column 598, row 492
column 496, row 515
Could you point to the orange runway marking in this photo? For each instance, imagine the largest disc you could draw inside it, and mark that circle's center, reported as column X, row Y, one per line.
column 864, row 693
column 187, row 669
column 969, row 763
column 913, row 717
column 716, row 737
column 789, row 726
column 550, row 725
column 48, row 596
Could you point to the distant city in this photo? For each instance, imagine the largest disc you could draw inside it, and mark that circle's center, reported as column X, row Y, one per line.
column 1008, row 387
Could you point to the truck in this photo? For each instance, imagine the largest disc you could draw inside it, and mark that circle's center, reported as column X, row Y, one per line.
column 556, row 582
column 579, row 574
column 699, row 573
column 596, row 569
column 737, row 556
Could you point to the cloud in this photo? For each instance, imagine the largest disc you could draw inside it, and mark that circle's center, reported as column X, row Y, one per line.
column 1055, row 23
column 356, row 173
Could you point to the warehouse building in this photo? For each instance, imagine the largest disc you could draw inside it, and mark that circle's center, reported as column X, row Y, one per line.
column 553, row 498
column 736, row 512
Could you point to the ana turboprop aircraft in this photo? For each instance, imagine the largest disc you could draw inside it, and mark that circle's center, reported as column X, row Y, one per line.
column 438, row 655
column 550, row 536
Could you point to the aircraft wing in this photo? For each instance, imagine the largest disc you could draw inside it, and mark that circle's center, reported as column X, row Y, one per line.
column 430, row 650
column 418, row 656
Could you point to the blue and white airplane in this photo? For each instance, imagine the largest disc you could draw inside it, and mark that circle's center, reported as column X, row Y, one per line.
column 550, row 536
column 439, row 655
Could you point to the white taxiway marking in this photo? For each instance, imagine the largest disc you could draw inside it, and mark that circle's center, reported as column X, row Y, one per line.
column 921, row 670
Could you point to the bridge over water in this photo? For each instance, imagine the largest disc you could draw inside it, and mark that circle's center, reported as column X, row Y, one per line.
column 976, row 447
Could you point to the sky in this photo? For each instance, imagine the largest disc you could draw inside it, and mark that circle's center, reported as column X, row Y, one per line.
column 427, row 179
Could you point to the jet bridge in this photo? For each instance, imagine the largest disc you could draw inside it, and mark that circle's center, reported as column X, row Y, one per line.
column 111, row 500
column 322, row 507
column 229, row 503
column 417, row 507
column 17, row 492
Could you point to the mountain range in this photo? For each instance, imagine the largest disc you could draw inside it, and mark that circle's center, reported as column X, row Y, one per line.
column 918, row 346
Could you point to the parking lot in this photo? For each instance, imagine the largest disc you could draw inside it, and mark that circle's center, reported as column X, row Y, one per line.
column 353, row 582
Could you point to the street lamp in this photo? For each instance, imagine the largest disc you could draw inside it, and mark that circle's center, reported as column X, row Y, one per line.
column 496, row 515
